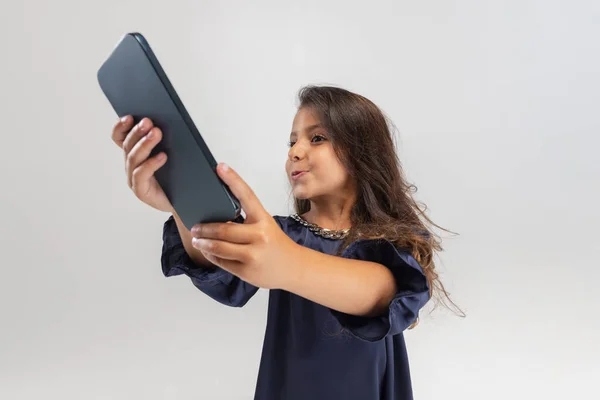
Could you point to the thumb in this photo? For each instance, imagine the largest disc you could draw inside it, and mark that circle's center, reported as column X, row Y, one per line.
column 250, row 204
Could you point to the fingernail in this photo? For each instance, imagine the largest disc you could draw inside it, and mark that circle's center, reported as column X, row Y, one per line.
column 225, row 167
column 150, row 134
column 198, row 242
column 124, row 119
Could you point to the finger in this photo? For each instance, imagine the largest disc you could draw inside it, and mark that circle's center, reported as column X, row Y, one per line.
column 240, row 189
column 136, row 134
column 234, row 233
column 140, row 177
column 222, row 249
column 141, row 151
column 120, row 130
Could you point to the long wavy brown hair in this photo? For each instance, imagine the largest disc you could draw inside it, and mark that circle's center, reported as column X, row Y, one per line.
column 361, row 136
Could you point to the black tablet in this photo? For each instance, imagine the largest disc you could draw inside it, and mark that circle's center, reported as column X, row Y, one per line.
column 135, row 84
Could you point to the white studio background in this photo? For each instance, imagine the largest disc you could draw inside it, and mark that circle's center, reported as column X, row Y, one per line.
column 496, row 105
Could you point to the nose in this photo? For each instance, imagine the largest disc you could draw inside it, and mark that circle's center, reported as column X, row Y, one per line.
column 296, row 152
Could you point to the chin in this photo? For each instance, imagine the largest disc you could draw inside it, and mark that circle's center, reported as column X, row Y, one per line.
column 301, row 194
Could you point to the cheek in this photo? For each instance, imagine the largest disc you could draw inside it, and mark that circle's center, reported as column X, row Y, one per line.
column 337, row 173
column 341, row 177
column 331, row 173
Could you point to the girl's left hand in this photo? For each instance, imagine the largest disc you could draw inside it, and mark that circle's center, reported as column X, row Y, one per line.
column 256, row 251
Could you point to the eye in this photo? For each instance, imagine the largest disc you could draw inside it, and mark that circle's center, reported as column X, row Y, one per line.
column 318, row 136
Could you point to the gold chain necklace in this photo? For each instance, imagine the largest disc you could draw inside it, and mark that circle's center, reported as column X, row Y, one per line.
column 324, row 232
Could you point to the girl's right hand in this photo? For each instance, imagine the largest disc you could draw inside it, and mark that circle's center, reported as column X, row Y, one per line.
column 137, row 142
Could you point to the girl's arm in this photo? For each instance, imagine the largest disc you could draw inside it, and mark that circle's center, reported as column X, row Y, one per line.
column 186, row 239
column 178, row 258
column 356, row 287
column 373, row 290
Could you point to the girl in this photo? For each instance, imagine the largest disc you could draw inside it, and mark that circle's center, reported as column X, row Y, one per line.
column 348, row 272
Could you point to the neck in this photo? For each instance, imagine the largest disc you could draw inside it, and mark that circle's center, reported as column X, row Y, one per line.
column 330, row 214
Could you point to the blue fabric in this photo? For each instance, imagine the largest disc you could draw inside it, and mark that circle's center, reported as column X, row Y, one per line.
column 311, row 351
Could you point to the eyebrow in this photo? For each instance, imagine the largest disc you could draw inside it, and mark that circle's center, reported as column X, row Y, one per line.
column 310, row 128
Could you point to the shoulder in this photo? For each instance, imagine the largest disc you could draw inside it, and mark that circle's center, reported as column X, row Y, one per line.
column 282, row 220
column 382, row 251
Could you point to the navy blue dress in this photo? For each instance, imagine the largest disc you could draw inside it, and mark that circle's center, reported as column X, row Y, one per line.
column 311, row 351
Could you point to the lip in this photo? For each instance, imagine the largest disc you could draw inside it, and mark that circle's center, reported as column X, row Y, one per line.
column 298, row 174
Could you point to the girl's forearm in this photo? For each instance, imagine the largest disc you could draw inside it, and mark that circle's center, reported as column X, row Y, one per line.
column 351, row 286
column 186, row 238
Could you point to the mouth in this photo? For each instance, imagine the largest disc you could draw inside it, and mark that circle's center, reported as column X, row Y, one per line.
column 298, row 174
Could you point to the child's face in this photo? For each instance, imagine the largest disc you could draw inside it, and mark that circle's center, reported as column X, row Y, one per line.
column 311, row 153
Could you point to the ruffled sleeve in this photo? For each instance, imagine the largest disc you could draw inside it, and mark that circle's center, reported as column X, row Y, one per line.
column 214, row 281
column 411, row 295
